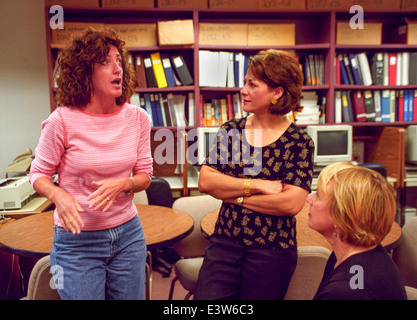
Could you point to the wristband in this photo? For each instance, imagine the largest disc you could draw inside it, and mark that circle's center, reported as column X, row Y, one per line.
column 133, row 185
column 246, row 187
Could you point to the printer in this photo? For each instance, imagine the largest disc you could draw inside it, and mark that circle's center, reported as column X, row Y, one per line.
column 15, row 192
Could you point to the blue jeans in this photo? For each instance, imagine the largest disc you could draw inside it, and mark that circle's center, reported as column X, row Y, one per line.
column 97, row 265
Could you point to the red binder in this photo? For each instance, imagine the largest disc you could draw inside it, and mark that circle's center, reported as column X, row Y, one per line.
column 358, row 104
column 392, row 69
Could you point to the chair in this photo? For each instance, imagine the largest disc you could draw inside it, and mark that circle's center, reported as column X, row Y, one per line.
column 39, row 286
column 192, row 248
column 308, row 273
column 158, row 193
column 405, row 255
column 375, row 166
column 411, row 293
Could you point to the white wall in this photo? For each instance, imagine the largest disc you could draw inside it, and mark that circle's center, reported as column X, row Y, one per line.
column 24, row 96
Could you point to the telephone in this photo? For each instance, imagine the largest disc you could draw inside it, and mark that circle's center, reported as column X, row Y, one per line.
column 21, row 163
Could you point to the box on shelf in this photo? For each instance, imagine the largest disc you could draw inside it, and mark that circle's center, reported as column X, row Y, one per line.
column 329, row 5
column 223, row 34
column 128, row 4
column 408, row 5
column 278, row 34
column 74, row 3
column 176, row 32
column 233, row 4
column 405, row 34
column 380, row 5
column 183, row 4
column 370, row 35
column 60, row 37
column 136, row 34
column 282, row 5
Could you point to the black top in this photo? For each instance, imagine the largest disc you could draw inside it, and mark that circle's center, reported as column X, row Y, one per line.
column 370, row 275
column 289, row 159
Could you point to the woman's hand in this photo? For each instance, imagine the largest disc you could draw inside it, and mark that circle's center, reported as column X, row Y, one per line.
column 107, row 192
column 68, row 210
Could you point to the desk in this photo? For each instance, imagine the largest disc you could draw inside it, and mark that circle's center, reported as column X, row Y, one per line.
column 32, row 236
column 305, row 235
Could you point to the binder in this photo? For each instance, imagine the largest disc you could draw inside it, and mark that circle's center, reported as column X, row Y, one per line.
column 392, row 68
column 231, row 71
column 392, row 105
column 385, row 106
column 181, row 70
column 148, row 108
column 364, row 69
column 369, row 106
column 348, row 69
column 405, row 66
column 378, row 68
column 358, row 104
column 158, row 70
column 357, row 79
column 150, row 75
column 412, row 75
column 343, row 73
column 337, row 70
column 377, row 105
column 140, row 71
column 400, row 108
column 338, row 107
column 347, row 112
column 169, row 73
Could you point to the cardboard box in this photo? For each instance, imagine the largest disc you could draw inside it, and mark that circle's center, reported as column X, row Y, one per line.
column 370, row 35
column 324, row 5
column 74, row 3
column 183, row 4
column 176, row 32
column 128, row 4
column 271, row 34
column 233, row 4
column 61, row 37
column 282, row 5
column 136, row 35
column 378, row 5
column 234, row 34
column 405, row 34
column 409, row 5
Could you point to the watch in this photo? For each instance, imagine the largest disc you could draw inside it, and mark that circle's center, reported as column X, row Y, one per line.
column 239, row 200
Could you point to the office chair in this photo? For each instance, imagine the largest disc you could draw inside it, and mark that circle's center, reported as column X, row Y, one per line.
column 405, row 255
column 39, row 286
column 159, row 193
column 192, row 248
column 375, row 166
column 308, row 273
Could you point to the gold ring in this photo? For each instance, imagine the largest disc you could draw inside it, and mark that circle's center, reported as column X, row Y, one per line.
column 108, row 199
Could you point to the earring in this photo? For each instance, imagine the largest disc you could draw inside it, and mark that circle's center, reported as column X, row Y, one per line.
column 335, row 234
column 273, row 101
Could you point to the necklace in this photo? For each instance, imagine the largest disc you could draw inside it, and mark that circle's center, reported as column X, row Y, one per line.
column 341, row 258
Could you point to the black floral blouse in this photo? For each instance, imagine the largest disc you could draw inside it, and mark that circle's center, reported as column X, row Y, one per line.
column 289, row 159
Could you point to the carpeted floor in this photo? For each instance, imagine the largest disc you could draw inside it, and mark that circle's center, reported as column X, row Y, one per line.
column 161, row 287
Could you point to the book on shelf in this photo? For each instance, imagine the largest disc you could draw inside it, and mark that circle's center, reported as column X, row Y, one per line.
column 150, row 74
column 310, row 109
column 376, row 105
column 313, row 69
column 215, row 112
column 140, row 71
column 182, row 70
column 222, row 69
column 158, row 69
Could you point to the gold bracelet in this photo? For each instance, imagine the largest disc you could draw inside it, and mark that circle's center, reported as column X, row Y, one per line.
column 246, row 187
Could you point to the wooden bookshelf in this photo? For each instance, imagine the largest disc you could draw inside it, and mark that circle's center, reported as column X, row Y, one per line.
column 315, row 33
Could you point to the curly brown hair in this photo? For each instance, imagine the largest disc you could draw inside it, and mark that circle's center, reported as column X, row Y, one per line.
column 279, row 69
column 75, row 64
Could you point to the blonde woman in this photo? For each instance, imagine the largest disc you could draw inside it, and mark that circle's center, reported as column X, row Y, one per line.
column 354, row 208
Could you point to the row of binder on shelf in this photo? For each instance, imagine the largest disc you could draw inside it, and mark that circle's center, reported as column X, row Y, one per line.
column 313, row 69
column 167, row 110
column 222, row 69
column 159, row 70
column 386, row 68
column 215, row 112
column 376, row 105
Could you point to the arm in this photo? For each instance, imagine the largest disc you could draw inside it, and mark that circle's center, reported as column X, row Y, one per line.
column 224, row 187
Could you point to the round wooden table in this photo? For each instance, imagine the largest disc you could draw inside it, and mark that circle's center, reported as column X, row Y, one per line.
column 32, row 236
column 305, row 235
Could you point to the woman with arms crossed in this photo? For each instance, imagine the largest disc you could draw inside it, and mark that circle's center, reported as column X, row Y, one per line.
column 261, row 167
column 354, row 208
column 95, row 141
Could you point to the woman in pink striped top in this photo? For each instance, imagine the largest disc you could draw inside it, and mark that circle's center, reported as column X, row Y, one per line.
column 99, row 145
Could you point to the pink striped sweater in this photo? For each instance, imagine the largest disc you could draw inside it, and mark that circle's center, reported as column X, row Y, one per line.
column 83, row 148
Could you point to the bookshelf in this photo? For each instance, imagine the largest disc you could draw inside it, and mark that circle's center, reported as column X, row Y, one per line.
column 315, row 33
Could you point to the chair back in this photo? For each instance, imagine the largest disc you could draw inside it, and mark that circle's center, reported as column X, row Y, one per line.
column 159, row 193
column 140, row 198
column 411, row 293
column 39, row 286
column 308, row 272
column 195, row 244
column 405, row 255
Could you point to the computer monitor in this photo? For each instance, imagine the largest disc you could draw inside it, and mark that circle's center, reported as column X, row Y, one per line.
column 332, row 143
column 411, row 144
column 205, row 138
